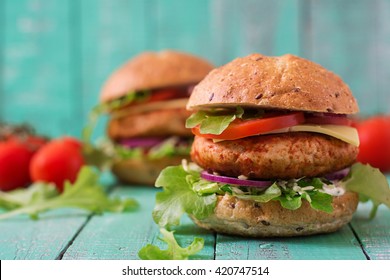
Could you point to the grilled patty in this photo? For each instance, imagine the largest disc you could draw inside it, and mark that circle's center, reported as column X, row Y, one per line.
column 156, row 123
column 274, row 156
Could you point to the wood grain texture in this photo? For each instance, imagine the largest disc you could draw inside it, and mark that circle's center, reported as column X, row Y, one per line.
column 111, row 33
column 382, row 56
column 244, row 27
column 24, row 239
column 183, row 25
column 2, row 37
column 374, row 234
column 342, row 36
column 38, row 81
column 338, row 246
column 121, row 236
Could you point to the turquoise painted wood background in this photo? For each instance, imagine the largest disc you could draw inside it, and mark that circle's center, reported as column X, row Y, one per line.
column 55, row 54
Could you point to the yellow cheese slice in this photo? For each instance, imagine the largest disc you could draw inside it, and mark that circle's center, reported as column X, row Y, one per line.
column 345, row 133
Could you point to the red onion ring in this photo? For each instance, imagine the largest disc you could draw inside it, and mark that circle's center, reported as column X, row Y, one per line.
column 146, row 142
column 235, row 181
column 323, row 118
column 338, row 175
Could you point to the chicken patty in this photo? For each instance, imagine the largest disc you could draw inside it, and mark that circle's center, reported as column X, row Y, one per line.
column 156, row 123
column 275, row 156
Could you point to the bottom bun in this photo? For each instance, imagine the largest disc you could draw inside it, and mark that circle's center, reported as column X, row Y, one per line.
column 249, row 218
column 143, row 171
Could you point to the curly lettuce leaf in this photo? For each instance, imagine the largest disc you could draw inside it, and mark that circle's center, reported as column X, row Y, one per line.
column 270, row 193
column 21, row 197
column 321, row 201
column 370, row 184
column 169, row 148
column 178, row 197
column 184, row 191
column 174, row 250
column 93, row 155
column 213, row 122
column 85, row 193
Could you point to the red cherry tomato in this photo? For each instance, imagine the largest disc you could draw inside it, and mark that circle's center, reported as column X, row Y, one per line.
column 374, row 135
column 58, row 161
column 14, row 165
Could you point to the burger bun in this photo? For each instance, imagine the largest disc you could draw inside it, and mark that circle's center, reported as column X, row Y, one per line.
column 253, row 219
column 287, row 82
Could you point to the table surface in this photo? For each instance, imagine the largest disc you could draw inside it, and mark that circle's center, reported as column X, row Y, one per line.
column 71, row 234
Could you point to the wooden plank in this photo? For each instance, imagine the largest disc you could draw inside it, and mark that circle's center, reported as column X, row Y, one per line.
column 344, row 42
column 24, row 239
column 244, row 27
column 121, row 236
column 382, row 55
column 38, row 80
column 373, row 234
column 2, row 39
column 111, row 33
column 337, row 246
column 183, row 25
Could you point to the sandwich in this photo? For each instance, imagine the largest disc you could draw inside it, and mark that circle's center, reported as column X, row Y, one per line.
column 145, row 100
column 274, row 153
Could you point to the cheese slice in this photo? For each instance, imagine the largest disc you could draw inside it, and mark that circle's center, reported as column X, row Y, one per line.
column 345, row 133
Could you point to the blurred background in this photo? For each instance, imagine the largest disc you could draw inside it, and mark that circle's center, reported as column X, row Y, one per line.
column 56, row 54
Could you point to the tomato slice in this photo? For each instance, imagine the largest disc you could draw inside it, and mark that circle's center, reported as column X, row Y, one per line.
column 244, row 128
column 163, row 94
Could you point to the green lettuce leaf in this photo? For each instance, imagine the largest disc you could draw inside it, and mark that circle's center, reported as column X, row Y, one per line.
column 169, row 148
column 370, row 184
column 321, row 201
column 270, row 193
column 106, row 107
column 184, row 191
column 173, row 252
column 86, row 193
column 178, row 197
column 33, row 194
column 290, row 202
column 213, row 122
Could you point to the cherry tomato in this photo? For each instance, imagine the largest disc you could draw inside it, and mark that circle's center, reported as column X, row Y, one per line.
column 14, row 165
column 58, row 161
column 72, row 142
column 244, row 128
column 374, row 136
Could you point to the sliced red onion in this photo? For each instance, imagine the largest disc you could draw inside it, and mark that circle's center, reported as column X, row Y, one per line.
column 235, row 181
column 325, row 118
column 338, row 175
column 146, row 142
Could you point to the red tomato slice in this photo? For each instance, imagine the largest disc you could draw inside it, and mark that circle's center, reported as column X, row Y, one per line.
column 163, row 94
column 244, row 128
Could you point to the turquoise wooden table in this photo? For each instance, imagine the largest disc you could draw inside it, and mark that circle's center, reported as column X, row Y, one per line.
column 75, row 235
column 55, row 55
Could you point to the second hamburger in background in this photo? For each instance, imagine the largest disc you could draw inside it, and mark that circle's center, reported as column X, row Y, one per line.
column 145, row 99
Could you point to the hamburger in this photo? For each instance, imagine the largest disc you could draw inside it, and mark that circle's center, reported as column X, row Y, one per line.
column 274, row 153
column 146, row 99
